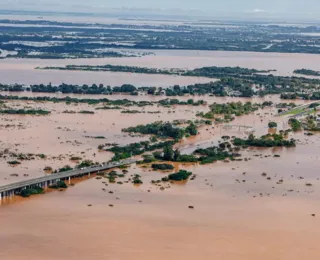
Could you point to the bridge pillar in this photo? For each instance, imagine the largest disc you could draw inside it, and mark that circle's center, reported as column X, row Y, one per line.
column 69, row 180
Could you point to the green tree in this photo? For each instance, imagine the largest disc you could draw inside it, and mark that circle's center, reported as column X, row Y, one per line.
column 176, row 155
column 192, row 129
column 168, row 153
column 272, row 125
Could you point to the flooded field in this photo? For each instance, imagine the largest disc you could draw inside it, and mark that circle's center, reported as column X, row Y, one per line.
column 235, row 215
column 23, row 70
column 263, row 208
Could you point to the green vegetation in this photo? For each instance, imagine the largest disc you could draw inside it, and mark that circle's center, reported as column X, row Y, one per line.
column 213, row 154
column 25, row 112
column 163, row 130
column 307, row 72
column 27, row 192
column 42, row 156
column 123, row 152
column 131, row 112
column 86, row 112
column 203, row 156
column 14, row 162
column 312, row 93
column 272, row 125
column 212, row 72
column 311, row 123
column 64, row 169
column 295, row 111
column 269, row 140
column 148, row 158
column 95, row 137
column 137, row 179
column 282, row 107
column 163, row 167
column 295, row 124
column 85, row 163
column 188, row 158
column 240, row 85
column 75, row 158
column 168, row 153
column 230, row 109
column 181, row 175
column 59, row 185
column 113, row 175
column 172, row 102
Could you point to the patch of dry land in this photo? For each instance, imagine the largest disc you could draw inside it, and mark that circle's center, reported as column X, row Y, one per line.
column 261, row 206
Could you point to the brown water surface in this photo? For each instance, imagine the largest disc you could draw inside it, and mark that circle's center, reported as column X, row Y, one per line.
column 238, row 213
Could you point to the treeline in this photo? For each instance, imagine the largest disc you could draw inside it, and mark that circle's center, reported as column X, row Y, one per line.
column 304, row 96
column 231, row 109
column 211, row 72
column 269, row 140
column 237, row 81
column 24, row 112
column 127, row 151
column 159, row 129
column 241, row 85
column 307, row 72
column 162, row 129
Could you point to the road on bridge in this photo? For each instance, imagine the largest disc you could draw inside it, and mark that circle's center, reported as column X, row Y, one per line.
column 63, row 175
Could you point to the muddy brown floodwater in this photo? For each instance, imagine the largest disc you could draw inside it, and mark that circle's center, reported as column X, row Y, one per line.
column 238, row 212
column 23, row 70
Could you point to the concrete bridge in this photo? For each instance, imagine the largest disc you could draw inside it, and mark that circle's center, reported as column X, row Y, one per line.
column 9, row 190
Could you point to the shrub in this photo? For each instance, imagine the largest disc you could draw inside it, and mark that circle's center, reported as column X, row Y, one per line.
column 272, row 125
column 14, row 162
column 162, row 166
column 180, row 175
column 59, row 185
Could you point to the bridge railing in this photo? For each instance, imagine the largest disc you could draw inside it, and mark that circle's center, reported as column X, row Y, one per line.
column 61, row 175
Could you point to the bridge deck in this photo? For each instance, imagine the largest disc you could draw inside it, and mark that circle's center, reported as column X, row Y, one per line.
column 62, row 175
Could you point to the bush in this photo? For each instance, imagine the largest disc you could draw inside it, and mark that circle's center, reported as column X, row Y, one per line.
column 136, row 179
column 187, row 158
column 14, row 162
column 85, row 163
column 162, row 166
column 148, row 158
column 65, row 168
column 75, row 158
column 59, row 185
column 180, row 175
column 295, row 124
column 31, row 191
column 272, row 125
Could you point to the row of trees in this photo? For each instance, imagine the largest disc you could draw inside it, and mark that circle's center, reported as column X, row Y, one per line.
column 164, row 130
column 269, row 140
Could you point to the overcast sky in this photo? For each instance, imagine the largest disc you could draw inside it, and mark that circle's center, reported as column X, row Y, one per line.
column 279, row 7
